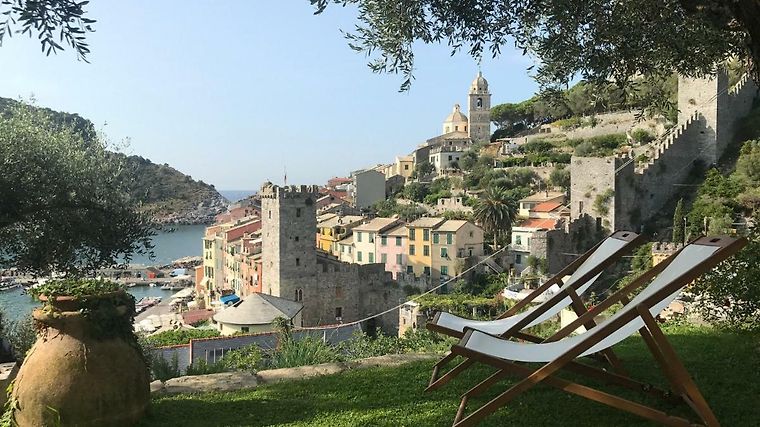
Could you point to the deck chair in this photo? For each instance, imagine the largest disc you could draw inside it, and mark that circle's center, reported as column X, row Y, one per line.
column 583, row 273
column 561, row 351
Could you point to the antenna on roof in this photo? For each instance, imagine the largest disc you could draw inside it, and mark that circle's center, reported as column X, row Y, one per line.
column 285, row 170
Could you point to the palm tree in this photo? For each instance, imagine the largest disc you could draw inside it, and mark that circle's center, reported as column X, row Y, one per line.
column 496, row 211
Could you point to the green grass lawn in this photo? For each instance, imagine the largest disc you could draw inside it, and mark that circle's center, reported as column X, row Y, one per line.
column 725, row 366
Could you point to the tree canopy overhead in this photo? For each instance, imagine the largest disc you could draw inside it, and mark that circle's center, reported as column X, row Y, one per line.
column 595, row 39
column 65, row 204
column 51, row 21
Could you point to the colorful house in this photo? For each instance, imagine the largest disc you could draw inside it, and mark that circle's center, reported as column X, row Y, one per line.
column 365, row 236
column 391, row 247
column 334, row 229
column 453, row 242
column 419, row 248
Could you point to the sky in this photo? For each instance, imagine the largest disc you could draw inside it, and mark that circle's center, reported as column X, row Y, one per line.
column 235, row 92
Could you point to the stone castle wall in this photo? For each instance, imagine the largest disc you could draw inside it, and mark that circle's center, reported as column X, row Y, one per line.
column 709, row 114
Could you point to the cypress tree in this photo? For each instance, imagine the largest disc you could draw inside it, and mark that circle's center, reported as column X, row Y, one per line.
column 678, row 223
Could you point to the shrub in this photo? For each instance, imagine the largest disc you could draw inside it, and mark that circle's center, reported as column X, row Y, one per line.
column 203, row 368
column 642, row 136
column 180, row 336
column 361, row 345
column 21, row 336
column 602, row 201
column 163, row 370
column 247, row 358
column 305, row 351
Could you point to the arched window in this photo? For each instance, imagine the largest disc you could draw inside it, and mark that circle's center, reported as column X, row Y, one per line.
column 479, row 103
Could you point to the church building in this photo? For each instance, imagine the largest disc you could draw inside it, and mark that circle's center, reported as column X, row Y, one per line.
column 459, row 131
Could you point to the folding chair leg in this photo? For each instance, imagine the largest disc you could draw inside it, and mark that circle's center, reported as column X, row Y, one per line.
column 441, row 363
column 673, row 364
column 450, row 375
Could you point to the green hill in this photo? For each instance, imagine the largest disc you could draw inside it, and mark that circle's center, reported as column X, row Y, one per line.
column 167, row 193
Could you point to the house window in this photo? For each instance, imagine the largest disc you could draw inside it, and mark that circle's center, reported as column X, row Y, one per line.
column 398, row 259
column 298, row 261
column 383, row 258
column 270, row 214
column 398, row 241
column 444, row 270
column 384, row 240
column 426, row 250
column 435, row 237
column 245, row 329
column 371, row 257
column 470, row 251
column 411, row 249
column 411, row 234
column 518, row 239
column 359, row 256
column 338, row 313
column 296, row 238
column 472, row 234
column 450, row 158
column 444, row 252
column 299, row 295
column 371, row 237
column 518, row 259
column 426, row 235
column 298, row 212
column 406, row 167
column 427, row 270
column 456, row 128
column 449, row 238
column 358, row 236
column 409, row 269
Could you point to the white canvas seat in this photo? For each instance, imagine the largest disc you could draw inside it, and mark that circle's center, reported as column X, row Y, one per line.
column 687, row 259
column 608, row 249
column 564, row 352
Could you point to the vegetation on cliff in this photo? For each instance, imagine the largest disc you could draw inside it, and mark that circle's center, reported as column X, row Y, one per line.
column 159, row 190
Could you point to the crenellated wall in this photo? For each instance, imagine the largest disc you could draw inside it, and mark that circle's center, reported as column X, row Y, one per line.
column 709, row 115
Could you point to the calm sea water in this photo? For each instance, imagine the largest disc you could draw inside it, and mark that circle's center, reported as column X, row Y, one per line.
column 176, row 242
column 235, row 195
column 15, row 305
column 184, row 241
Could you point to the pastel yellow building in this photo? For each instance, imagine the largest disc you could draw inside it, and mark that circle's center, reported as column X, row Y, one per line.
column 419, row 249
column 335, row 228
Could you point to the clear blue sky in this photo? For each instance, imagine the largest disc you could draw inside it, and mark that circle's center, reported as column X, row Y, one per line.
column 231, row 92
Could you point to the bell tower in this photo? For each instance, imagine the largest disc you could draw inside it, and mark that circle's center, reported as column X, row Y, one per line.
column 479, row 110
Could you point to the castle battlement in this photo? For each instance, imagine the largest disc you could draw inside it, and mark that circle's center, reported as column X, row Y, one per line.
column 273, row 191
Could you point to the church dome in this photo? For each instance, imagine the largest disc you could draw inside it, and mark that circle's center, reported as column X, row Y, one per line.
column 456, row 116
column 479, row 85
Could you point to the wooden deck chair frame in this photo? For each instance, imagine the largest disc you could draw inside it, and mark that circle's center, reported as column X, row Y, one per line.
column 633, row 240
column 683, row 388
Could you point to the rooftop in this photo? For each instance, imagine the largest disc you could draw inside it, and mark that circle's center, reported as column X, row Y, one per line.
column 538, row 223
column 547, row 206
column 340, row 220
column 451, row 225
column 377, row 224
column 543, row 196
column 401, row 230
column 426, row 222
column 258, row 309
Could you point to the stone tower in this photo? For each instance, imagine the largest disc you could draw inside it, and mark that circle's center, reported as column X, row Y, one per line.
column 707, row 96
column 479, row 109
column 288, row 253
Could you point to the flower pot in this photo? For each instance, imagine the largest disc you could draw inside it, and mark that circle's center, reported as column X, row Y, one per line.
column 75, row 375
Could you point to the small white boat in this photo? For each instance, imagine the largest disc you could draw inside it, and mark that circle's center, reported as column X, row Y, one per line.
column 152, row 285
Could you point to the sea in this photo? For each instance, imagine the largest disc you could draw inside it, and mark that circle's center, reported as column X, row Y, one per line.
column 236, row 195
column 175, row 242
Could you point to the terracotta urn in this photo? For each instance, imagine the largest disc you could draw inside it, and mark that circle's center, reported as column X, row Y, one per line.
column 79, row 372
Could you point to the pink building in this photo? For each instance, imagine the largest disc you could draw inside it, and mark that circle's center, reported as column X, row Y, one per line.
column 391, row 249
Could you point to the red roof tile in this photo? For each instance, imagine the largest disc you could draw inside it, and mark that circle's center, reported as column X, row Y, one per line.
column 539, row 223
column 546, row 206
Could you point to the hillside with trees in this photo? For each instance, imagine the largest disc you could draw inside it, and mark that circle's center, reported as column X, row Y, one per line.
column 161, row 191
